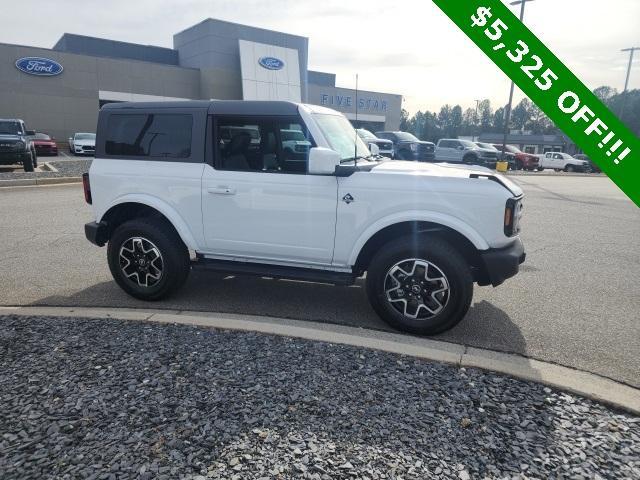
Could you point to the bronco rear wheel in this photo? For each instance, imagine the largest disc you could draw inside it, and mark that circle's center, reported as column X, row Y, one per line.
column 420, row 285
column 147, row 258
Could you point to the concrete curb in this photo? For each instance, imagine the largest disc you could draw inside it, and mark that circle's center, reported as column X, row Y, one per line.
column 26, row 182
column 578, row 382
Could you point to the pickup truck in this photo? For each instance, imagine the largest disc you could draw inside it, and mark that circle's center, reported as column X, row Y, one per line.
column 16, row 144
column 385, row 147
column 423, row 233
column 407, row 147
column 562, row 162
column 462, row 151
column 521, row 160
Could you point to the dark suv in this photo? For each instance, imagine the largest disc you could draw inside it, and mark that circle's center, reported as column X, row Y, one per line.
column 16, row 146
column 407, row 147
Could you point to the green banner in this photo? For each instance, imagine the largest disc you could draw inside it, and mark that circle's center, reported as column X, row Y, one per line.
column 551, row 86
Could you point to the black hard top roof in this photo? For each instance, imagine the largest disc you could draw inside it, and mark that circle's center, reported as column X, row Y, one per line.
column 221, row 107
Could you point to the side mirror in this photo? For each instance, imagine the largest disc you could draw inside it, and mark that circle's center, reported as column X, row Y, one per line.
column 30, row 133
column 323, row 161
column 375, row 149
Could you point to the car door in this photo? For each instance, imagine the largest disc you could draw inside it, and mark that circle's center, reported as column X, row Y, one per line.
column 449, row 151
column 260, row 204
column 558, row 161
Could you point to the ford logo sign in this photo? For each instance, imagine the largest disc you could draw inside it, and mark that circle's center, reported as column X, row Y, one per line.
column 271, row 63
column 39, row 66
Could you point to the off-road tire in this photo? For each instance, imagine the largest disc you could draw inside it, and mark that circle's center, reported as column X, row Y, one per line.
column 470, row 160
column 28, row 163
column 175, row 259
column 441, row 255
column 404, row 155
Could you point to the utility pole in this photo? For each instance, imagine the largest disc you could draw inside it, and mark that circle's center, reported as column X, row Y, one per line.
column 626, row 83
column 507, row 113
column 478, row 129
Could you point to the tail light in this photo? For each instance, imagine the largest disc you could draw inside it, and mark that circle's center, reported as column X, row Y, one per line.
column 86, row 186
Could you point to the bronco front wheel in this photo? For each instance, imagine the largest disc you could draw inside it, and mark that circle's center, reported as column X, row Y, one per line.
column 420, row 285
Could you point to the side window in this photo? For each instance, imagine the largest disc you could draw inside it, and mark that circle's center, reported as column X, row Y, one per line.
column 149, row 135
column 262, row 145
column 557, row 156
column 295, row 142
column 447, row 144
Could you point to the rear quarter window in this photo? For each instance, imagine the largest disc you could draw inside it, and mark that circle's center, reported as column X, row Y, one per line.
column 156, row 135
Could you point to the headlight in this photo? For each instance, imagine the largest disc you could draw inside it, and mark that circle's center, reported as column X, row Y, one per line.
column 414, row 147
column 512, row 216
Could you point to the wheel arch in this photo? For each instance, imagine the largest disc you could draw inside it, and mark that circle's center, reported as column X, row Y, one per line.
column 469, row 246
column 129, row 208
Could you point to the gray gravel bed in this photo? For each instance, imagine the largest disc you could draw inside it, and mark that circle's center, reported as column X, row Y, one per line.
column 110, row 399
column 67, row 168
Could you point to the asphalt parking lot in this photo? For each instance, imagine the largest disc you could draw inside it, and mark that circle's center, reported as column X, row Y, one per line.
column 576, row 301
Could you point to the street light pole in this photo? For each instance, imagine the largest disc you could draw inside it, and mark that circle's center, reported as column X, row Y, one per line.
column 626, row 83
column 477, row 105
column 507, row 113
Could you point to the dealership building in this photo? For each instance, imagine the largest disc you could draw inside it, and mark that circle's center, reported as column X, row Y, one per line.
column 60, row 90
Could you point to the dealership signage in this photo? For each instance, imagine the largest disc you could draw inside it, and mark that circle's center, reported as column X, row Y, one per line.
column 271, row 63
column 347, row 101
column 43, row 67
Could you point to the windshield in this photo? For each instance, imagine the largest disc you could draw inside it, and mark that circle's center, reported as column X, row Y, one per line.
column 42, row 136
column 467, row 143
column 291, row 135
column 512, row 149
column 406, row 137
column 341, row 136
column 10, row 128
column 85, row 136
column 366, row 134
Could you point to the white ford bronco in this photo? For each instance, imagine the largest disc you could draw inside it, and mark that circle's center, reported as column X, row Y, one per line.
column 207, row 184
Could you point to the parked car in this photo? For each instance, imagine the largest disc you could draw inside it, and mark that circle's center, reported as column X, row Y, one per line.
column 82, row 144
column 407, row 147
column 463, row 151
column 16, row 146
column 520, row 159
column 44, row 145
column 593, row 168
column 294, row 143
column 422, row 233
column 562, row 161
column 385, row 147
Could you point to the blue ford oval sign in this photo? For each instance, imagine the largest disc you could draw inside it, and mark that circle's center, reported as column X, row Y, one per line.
column 39, row 66
column 271, row 63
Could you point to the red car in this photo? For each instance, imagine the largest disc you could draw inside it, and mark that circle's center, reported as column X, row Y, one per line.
column 45, row 145
column 523, row 161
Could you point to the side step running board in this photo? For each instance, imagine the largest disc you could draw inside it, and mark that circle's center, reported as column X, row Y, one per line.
column 274, row 271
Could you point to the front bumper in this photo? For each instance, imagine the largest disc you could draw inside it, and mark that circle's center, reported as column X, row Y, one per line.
column 9, row 158
column 97, row 233
column 502, row 263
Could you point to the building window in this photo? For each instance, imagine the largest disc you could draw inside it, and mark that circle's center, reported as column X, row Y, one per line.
column 149, row 135
column 262, row 145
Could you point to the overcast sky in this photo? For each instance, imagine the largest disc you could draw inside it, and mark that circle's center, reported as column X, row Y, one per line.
column 406, row 47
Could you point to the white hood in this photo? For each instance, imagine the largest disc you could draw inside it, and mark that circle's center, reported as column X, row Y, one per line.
column 83, row 143
column 444, row 170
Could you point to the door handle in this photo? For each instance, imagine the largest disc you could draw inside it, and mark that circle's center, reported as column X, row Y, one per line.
column 222, row 190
